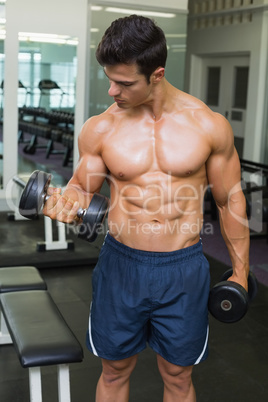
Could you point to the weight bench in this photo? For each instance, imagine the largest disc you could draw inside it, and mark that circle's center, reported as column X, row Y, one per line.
column 41, row 337
column 13, row 279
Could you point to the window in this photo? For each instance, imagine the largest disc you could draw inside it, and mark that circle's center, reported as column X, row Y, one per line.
column 213, row 88
column 241, row 87
column 32, row 70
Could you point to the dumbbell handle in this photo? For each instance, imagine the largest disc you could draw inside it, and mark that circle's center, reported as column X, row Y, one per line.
column 80, row 213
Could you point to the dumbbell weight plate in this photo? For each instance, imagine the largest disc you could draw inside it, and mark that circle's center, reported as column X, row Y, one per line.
column 93, row 217
column 228, row 301
column 32, row 198
column 252, row 283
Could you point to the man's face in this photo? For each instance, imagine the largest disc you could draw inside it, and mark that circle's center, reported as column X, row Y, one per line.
column 128, row 87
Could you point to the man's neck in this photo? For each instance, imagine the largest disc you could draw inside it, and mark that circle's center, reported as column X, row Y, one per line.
column 160, row 101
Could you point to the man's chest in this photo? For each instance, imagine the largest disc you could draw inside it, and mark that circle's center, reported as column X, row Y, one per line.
column 167, row 147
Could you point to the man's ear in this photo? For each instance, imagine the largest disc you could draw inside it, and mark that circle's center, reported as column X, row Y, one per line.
column 158, row 74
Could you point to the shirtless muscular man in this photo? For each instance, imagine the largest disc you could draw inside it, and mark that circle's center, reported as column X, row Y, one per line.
column 158, row 148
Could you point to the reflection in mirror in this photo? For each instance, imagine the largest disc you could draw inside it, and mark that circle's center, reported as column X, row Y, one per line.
column 2, row 59
column 46, row 101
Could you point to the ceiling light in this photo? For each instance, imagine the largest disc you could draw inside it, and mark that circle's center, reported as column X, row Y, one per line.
column 47, row 38
column 96, row 8
column 175, row 35
column 178, row 46
column 43, row 35
column 72, row 42
column 42, row 40
column 140, row 12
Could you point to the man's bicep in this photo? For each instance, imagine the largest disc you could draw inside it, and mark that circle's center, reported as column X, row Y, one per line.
column 224, row 175
column 91, row 170
column 90, row 173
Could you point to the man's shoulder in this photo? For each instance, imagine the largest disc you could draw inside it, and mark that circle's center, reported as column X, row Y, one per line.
column 203, row 115
column 101, row 123
column 212, row 125
column 196, row 106
column 94, row 132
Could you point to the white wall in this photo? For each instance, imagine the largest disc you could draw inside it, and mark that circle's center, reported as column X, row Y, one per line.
column 241, row 38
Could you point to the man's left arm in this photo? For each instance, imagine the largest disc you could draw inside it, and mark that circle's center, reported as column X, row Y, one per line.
column 224, row 176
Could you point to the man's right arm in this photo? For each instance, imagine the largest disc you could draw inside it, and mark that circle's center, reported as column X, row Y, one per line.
column 87, row 178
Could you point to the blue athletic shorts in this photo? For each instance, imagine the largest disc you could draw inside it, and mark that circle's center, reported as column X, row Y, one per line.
column 141, row 297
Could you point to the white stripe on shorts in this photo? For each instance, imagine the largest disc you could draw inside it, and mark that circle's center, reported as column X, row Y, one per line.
column 204, row 349
column 90, row 335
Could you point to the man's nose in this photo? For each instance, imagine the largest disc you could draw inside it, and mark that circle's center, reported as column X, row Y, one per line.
column 114, row 89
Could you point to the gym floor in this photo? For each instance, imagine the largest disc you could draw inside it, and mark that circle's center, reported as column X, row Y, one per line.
column 236, row 369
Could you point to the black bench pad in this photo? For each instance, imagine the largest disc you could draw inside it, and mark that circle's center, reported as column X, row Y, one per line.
column 40, row 334
column 18, row 278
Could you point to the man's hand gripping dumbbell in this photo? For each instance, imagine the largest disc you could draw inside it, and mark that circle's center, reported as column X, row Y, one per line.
column 37, row 192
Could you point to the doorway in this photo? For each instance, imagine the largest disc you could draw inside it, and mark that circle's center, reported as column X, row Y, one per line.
column 225, row 89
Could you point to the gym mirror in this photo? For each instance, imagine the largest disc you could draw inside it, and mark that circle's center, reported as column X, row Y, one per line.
column 174, row 26
column 46, row 100
column 2, row 60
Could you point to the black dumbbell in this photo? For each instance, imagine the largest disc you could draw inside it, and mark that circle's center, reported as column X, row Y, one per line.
column 229, row 301
column 34, row 196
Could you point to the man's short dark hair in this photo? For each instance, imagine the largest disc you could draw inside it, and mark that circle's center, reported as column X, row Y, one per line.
column 133, row 39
